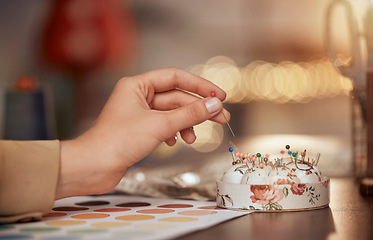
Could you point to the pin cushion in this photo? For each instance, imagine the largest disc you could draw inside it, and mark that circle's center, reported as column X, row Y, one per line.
column 291, row 182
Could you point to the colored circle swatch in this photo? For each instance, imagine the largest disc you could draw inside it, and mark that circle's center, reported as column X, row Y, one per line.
column 5, row 227
column 176, row 206
column 133, row 204
column 90, row 216
column 135, row 217
column 65, row 223
column 156, row 211
column 15, row 236
column 69, row 209
column 92, row 203
column 86, row 231
column 113, row 210
column 62, row 238
column 39, row 229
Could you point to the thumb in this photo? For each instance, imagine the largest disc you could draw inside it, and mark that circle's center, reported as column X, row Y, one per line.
column 194, row 113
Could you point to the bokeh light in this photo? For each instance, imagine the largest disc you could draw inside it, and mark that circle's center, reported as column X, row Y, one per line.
column 282, row 82
column 209, row 136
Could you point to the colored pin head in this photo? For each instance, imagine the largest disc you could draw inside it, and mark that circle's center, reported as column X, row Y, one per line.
column 231, row 151
column 213, row 94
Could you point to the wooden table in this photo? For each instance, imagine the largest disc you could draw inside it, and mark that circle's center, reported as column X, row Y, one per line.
column 350, row 217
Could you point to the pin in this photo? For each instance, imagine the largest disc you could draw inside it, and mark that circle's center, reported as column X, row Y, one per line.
column 303, row 154
column 213, row 94
column 231, row 151
column 261, row 165
column 317, row 159
column 265, row 159
column 303, row 169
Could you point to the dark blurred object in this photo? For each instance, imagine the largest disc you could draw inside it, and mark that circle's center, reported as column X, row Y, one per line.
column 84, row 37
column 366, row 184
column 26, row 112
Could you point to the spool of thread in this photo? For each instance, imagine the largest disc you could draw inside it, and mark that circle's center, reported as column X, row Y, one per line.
column 26, row 112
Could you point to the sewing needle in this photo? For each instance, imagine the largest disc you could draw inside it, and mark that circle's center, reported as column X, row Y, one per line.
column 229, row 126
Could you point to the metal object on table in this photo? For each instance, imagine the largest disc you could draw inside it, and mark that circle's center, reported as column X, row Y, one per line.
column 194, row 179
column 360, row 70
column 355, row 69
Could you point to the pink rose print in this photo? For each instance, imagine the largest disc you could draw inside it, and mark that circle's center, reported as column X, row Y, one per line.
column 265, row 193
column 298, row 189
column 283, row 181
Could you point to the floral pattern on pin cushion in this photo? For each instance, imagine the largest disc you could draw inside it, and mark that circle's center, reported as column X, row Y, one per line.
column 298, row 189
column 283, row 181
column 224, row 198
column 263, row 194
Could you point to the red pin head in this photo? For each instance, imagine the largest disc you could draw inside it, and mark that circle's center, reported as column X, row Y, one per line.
column 213, row 94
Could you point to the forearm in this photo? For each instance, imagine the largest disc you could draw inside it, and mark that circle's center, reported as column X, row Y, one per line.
column 28, row 178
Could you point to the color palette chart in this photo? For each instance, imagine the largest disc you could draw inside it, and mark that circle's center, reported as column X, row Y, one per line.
column 120, row 217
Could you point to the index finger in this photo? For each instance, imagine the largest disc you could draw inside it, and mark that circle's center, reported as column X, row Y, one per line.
column 166, row 79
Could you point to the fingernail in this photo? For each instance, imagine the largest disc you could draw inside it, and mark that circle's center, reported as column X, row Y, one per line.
column 213, row 105
column 194, row 132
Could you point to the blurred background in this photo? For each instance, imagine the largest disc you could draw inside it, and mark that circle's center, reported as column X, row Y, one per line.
column 60, row 60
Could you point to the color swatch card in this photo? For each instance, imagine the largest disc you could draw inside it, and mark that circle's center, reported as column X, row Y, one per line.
column 120, row 217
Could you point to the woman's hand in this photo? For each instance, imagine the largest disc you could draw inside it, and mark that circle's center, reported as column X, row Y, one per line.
column 142, row 112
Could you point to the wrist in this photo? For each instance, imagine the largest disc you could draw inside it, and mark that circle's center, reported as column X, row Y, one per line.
column 68, row 179
column 88, row 166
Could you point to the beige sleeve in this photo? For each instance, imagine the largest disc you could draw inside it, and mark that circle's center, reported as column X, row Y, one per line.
column 28, row 179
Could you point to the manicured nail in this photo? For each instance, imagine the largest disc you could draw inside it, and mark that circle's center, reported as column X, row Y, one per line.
column 213, row 105
column 194, row 132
